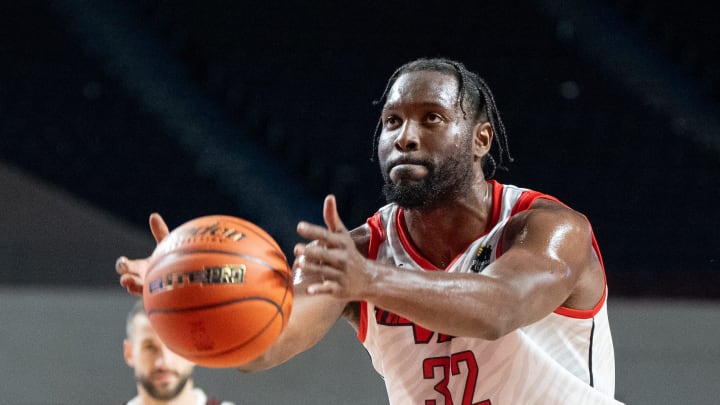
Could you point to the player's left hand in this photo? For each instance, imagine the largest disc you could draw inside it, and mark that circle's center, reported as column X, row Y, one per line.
column 332, row 258
column 132, row 272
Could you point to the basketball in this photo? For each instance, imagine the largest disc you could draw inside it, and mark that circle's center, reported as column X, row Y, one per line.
column 218, row 291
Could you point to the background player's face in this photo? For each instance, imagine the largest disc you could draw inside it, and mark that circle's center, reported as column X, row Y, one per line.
column 425, row 146
column 161, row 373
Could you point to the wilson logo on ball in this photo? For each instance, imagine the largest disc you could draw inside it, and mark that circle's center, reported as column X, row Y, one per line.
column 228, row 274
column 212, row 233
column 214, row 230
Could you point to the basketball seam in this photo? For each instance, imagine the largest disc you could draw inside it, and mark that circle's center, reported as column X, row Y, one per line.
column 247, row 341
column 215, row 305
column 279, row 311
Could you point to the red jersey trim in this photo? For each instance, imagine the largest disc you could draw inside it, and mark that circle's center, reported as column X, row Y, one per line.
column 377, row 236
column 587, row 314
column 527, row 198
column 582, row 314
column 497, row 191
column 405, row 241
column 523, row 203
column 363, row 323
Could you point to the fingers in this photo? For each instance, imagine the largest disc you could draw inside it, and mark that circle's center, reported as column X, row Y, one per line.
column 121, row 265
column 319, row 265
column 132, row 272
column 322, row 262
column 312, row 232
column 128, row 278
column 335, row 235
column 320, row 254
column 158, row 227
column 323, row 237
column 131, row 284
column 299, row 249
column 331, row 216
column 326, row 287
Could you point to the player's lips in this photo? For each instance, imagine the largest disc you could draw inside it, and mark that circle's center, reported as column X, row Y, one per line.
column 408, row 171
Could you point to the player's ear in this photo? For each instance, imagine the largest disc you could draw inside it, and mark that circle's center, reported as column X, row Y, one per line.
column 482, row 139
column 128, row 353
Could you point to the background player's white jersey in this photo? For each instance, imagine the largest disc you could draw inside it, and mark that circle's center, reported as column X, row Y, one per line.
column 565, row 358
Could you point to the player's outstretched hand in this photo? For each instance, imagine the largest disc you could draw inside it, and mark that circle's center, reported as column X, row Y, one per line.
column 132, row 272
column 332, row 259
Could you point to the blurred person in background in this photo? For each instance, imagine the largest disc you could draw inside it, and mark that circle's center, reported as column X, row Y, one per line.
column 162, row 377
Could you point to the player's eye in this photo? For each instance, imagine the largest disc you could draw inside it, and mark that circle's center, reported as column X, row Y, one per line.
column 391, row 121
column 433, row 118
column 149, row 347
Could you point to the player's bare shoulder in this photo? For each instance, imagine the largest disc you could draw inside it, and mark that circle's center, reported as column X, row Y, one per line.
column 546, row 217
column 558, row 233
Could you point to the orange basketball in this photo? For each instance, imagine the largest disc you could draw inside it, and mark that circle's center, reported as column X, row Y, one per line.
column 218, row 291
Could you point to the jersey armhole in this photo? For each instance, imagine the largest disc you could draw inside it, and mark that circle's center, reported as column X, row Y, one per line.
column 526, row 199
column 523, row 203
column 582, row 314
column 363, row 323
column 377, row 236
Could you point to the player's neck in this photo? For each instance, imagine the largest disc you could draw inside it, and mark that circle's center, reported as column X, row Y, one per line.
column 440, row 234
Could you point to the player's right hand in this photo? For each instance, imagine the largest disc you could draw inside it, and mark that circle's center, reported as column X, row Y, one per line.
column 132, row 272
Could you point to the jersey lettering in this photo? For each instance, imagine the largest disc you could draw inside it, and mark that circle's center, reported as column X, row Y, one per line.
column 483, row 257
column 421, row 335
column 450, row 367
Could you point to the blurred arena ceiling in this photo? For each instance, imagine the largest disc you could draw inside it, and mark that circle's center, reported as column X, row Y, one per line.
column 258, row 110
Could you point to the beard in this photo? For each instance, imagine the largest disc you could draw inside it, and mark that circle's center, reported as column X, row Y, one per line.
column 442, row 183
column 162, row 393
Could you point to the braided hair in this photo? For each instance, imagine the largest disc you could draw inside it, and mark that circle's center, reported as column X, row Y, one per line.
column 473, row 92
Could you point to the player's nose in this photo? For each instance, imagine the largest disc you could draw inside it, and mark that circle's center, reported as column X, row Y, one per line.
column 407, row 138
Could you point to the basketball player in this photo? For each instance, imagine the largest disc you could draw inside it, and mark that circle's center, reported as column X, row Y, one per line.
column 162, row 377
column 462, row 289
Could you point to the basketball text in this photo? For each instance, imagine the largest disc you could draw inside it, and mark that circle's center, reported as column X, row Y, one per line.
column 227, row 274
column 214, row 230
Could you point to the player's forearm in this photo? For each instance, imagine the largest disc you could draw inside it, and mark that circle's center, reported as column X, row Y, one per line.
column 310, row 320
column 454, row 304
column 281, row 351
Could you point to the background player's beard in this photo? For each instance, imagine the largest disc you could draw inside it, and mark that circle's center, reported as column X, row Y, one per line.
column 442, row 183
column 162, row 394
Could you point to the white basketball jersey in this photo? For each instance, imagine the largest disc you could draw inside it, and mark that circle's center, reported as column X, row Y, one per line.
column 564, row 358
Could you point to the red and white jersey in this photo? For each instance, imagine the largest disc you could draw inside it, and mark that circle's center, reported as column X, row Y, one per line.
column 564, row 358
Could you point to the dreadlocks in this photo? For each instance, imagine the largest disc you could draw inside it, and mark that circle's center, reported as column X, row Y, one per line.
column 473, row 92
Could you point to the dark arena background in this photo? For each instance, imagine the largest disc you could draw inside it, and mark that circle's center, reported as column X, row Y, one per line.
column 111, row 110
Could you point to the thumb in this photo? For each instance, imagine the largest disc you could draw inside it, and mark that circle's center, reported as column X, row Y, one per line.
column 331, row 216
column 158, row 227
